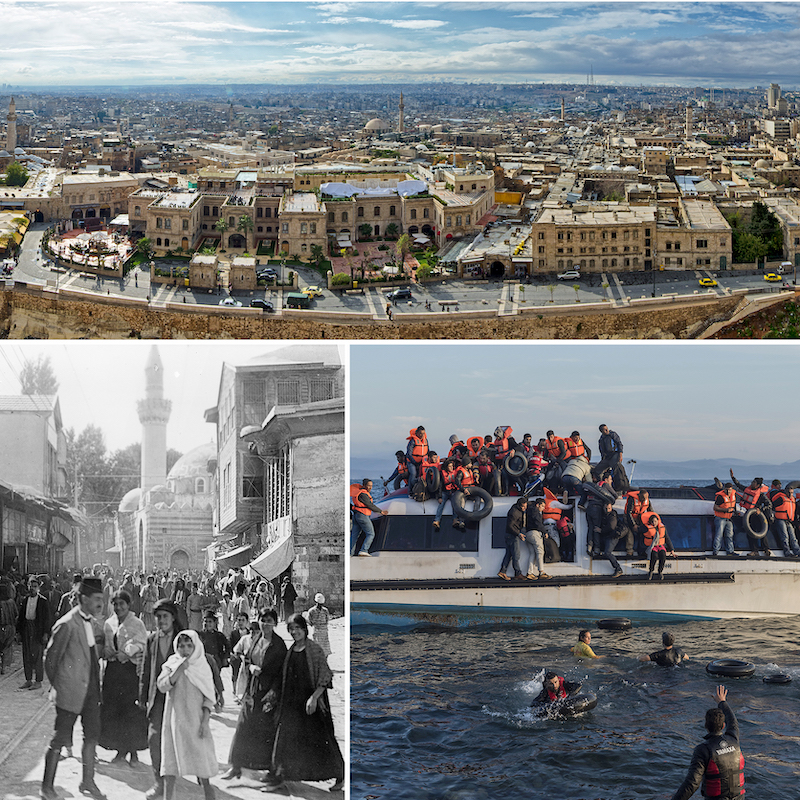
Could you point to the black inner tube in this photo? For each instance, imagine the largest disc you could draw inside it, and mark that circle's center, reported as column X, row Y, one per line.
column 615, row 624
column 458, row 501
column 516, row 464
column 778, row 677
column 731, row 667
column 755, row 523
column 433, row 480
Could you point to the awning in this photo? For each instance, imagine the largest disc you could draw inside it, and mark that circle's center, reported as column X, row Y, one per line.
column 274, row 560
column 237, row 557
column 115, row 549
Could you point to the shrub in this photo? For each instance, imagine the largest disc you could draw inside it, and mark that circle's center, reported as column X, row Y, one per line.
column 340, row 279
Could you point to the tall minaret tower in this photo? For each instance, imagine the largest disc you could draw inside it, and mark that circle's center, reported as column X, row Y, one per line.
column 688, row 130
column 154, row 413
column 563, row 115
column 11, row 138
column 400, row 121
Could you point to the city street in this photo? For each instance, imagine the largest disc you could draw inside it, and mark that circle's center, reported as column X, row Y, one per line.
column 28, row 726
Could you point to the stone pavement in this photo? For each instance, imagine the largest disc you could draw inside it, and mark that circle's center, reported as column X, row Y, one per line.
column 26, row 726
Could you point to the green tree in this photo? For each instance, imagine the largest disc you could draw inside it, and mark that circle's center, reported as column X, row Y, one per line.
column 16, row 174
column 317, row 254
column 221, row 225
column 552, row 288
column 38, row 377
column 577, row 288
column 245, row 226
column 365, row 230
column 403, row 247
column 424, row 271
column 391, row 230
column 145, row 247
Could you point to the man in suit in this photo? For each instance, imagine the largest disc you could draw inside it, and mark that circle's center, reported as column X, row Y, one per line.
column 33, row 624
column 159, row 649
column 72, row 665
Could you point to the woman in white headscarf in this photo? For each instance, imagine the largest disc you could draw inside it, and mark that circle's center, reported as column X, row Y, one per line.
column 186, row 744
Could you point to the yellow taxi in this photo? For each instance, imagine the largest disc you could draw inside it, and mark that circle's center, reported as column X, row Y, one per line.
column 707, row 282
column 312, row 291
column 772, row 276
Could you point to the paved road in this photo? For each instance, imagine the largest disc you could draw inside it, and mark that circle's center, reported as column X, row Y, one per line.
column 27, row 726
column 453, row 296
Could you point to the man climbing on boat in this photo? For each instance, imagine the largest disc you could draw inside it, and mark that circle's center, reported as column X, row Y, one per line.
column 400, row 474
column 670, row 656
column 610, row 447
column 515, row 534
column 783, row 501
column 360, row 507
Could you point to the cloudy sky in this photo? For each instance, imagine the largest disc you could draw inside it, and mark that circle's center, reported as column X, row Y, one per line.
column 667, row 401
column 134, row 43
column 100, row 383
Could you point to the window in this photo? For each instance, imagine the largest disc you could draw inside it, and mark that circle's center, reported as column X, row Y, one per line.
column 391, row 211
column 278, row 475
column 377, row 230
column 541, row 262
column 605, row 263
column 677, row 245
column 303, row 247
column 678, row 260
column 591, row 236
column 474, row 186
column 215, row 211
column 360, row 211
column 166, row 242
column 344, row 216
column 259, row 212
column 303, row 227
column 199, row 485
column 468, row 216
column 205, row 210
column 288, row 391
column 321, row 389
column 268, row 213
column 722, row 242
column 701, row 243
column 582, row 249
column 541, row 234
column 541, row 248
column 331, row 217
column 185, row 224
column 252, row 476
column 231, row 222
column 260, row 229
column 137, row 212
column 168, row 223
column 636, row 234
column 458, row 220
column 560, row 250
column 591, row 263
column 669, row 245
column 313, row 227
column 416, row 533
column 560, row 237
column 376, row 212
column 158, row 222
column 626, row 235
column 413, row 213
column 158, row 242
column 448, row 222
column 583, row 236
column 284, row 227
column 426, row 213
column 613, row 262
column 561, row 263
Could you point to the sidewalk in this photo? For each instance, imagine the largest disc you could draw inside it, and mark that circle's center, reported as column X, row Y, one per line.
column 22, row 766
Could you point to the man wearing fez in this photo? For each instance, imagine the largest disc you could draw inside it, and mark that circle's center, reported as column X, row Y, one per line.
column 159, row 649
column 72, row 667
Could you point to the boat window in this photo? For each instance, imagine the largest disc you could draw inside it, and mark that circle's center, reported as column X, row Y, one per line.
column 688, row 532
column 416, row 533
column 499, row 533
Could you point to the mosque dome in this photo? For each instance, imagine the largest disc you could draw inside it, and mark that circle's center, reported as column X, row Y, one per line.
column 190, row 474
column 659, row 131
column 377, row 125
column 762, row 164
column 130, row 502
column 5, row 154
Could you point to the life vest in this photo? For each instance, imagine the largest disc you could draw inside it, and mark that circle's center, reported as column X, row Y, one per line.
column 553, row 448
column 784, row 506
column 725, row 511
column 560, row 693
column 474, row 446
column 355, row 503
column 638, row 506
column 426, row 465
column 536, row 463
column 458, row 447
column 465, row 475
column 574, row 449
column 402, row 469
column 485, row 469
column 449, row 480
column 655, row 530
column 750, row 496
column 420, row 449
column 549, row 511
column 501, row 444
column 724, row 775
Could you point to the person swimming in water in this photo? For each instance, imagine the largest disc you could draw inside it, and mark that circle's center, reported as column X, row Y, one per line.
column 556, row 687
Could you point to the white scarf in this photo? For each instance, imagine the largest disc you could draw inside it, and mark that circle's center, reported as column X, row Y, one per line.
column 198, row 672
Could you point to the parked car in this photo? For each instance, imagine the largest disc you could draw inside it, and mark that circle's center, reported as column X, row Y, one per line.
column 267, row 273
column 569, row 275
column 402, row 292
column 707, row 282
column 264, row 305
column 772, row 276
column 230, row 301
column 312, row 291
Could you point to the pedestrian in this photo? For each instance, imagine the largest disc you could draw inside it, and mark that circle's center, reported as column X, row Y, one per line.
column 33, row 626
column 149, row 598
column 389, row 311
column 305, row 745
column 123, row 723
column 8, row 625
column 73, row 669
column 253, row 741
column 288, row 596
column 194, row 607
column 159, row 649
column 319, row 617
column 187, row 747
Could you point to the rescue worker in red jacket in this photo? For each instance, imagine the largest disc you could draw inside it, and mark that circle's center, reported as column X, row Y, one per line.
column 724, row 509
column 361, row 506
column 717, row 763
column 400, row 474
column 783, row 501
column 555, row 687
column 756, row 495
column 416, row 451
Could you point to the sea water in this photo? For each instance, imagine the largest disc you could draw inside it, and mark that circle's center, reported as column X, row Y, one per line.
column 444, row 714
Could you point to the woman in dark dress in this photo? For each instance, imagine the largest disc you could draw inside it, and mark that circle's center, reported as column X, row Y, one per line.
column 123, row 722
column 305, row 744
column 255, row 731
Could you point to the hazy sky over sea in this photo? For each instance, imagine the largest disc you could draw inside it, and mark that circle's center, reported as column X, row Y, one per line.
column 667, row 401
column 714, row 44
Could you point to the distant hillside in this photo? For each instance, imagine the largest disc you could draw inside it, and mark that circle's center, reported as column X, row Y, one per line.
column 696, row 470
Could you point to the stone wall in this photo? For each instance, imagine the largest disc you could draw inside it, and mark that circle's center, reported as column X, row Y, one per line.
column 43, row 314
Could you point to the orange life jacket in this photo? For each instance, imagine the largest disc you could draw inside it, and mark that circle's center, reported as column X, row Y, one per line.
column 553, row 448
column 549, row 511
column 402, row 469
column 751, row 496
column 457, row 447
column 638, row 507
column 426, row 465
column 725, row 511
column 786, row 508
column 355, row 503
column 575, row 449
column 420, row 449
column 501, row 444
column 449, row 478
column 466, row 476
column 655, row 530
column 474, row 445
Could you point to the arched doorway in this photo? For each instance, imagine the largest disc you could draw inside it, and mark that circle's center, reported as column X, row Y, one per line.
column 77, row 214
column 427, row 230
column 236, row 240
column 90, row 213
column 185, row 243
column 38, row 216
column 105, row 213
column 413, row 229
column 498, row 269
column 179, row 561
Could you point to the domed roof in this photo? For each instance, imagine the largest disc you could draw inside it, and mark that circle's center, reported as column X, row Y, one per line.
column 658, row 131
column 763, row 164
column 5, row 154
column 377, row 124
column 194, row 463
column 130, row 502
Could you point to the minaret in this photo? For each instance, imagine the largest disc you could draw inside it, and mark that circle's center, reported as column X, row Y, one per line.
column 154, row 413
column 688, row 122
column 400, row 121
column 11, row 138
column 563, row 116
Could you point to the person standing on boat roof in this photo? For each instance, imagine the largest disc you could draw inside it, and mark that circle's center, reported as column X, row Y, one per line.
column 556, row 448
column 535, row 536
column 448, row 487
column 783, row 501
column 670, row 656
column 360, row 507
column 583, row 648
column 416, row 452
column 717, row 763
column 610, row 447
column 400, row 474
column 724, row 509
column 515, row 535
column 576, row 447
column 754, row 496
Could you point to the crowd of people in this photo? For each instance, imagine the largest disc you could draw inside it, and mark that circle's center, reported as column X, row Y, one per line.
column 544, row 475
column 139, row 658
